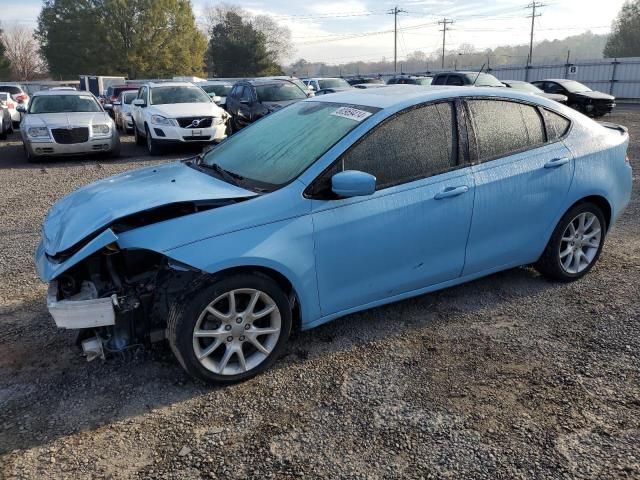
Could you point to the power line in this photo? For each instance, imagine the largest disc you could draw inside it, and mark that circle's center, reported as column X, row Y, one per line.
column 395, row 11
column 444, row 22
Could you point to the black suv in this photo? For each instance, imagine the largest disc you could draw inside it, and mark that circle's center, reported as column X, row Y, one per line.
column 466, row 79
column 410, row 80
column 250, row 100
column 580, row 97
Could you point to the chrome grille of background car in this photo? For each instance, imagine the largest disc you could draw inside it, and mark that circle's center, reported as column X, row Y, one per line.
column 187, row 122
column 68, row 136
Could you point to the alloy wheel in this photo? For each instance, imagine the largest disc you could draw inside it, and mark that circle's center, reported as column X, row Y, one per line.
column 237, row 331
column 580, row 243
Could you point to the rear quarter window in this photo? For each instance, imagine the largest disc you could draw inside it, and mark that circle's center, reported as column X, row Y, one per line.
column 557, row 125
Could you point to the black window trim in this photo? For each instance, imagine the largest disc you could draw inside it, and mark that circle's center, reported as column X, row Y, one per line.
column 473, row 149
column 463, row 154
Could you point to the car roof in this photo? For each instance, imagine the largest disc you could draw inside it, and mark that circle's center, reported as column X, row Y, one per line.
column 43, row 93
column 265, row 81
column 169, row 84
column 401, row 95
column 462, row 72
column 214, row 82
column 557, row 80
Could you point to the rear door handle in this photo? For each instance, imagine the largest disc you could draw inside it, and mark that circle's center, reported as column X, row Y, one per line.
column 556, row 162
column 451, row 192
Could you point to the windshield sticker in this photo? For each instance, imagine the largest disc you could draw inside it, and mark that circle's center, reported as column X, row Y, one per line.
column 351, row 113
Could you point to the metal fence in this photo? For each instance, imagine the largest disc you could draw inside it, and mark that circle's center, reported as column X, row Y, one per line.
column 617, row 76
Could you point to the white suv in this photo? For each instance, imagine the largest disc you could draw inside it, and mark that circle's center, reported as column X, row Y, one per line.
column 19, row 94
column 176, row 113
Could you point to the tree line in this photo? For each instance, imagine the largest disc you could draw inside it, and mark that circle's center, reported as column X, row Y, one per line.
column 144, row 39
column 161, row 38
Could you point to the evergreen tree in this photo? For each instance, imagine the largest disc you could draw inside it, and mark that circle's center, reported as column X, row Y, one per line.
column 136, row 38
column 237, row 49
column 624, row 41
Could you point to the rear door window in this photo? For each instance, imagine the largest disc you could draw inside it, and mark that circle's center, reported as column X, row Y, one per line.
column 503, row 128
column 440, row 80
column 455, row 80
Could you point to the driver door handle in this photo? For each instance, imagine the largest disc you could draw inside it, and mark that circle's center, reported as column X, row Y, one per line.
column 556, row 162
column 452, row 192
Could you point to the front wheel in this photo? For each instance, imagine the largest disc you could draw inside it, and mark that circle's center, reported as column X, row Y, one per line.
column 230, row 329
column 575, row 245
column 152, row 146
column 136, row 134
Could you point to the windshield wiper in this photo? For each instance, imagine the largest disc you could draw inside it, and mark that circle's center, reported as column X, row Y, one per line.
column 229, row 177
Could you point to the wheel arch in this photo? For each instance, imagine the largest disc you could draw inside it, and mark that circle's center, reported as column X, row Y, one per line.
column 601, row 202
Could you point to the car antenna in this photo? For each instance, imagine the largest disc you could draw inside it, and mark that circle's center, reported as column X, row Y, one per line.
column 476, row 79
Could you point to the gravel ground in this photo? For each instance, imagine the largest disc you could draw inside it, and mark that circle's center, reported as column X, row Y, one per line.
column 506, row 377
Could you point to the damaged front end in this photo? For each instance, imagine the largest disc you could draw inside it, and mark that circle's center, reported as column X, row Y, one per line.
column 117, row 298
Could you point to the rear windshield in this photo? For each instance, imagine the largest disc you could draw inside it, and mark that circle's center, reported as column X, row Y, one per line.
column 484, row 80
column 279, row 92
column 63, row 104
column 424, row 80
column 333, row 83
column 168, row 95
column 129, row 97
column 524, row 87
column 221, row 90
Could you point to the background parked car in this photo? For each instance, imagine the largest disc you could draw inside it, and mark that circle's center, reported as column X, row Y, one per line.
column 580, row 97
column 112, row 94
column 176, row 113
column 122, row 110
column 19, row 95
column 12, row 107
column 250, row 100
column 334, row 84
column 530, row 88
column 6, row 124
column 466, row 79
column 67, row 123
column 410, row 80
column 364, row 80
column 369, row 85
column 217, row 89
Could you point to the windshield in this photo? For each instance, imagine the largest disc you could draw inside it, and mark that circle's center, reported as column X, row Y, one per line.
column 484, row 80
column 299, row 83
column 524, row 87
column 333, row 83
column 175, row 94
column 279, row 147
column 63, row 104
column 129, row 97
column 424, row 80
column 575, row 87
column 221, row 90
column 279, row 92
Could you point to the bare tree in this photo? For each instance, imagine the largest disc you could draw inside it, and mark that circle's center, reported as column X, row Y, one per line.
column 21, row 49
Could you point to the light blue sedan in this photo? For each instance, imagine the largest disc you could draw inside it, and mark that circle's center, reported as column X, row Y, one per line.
column 330, row 206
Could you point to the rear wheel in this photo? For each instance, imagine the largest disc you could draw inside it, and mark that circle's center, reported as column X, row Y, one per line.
column 231, row 329
column 3, row 131
column 575, row 245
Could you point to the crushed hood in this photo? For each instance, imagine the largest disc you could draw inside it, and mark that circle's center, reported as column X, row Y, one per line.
column 97, row 205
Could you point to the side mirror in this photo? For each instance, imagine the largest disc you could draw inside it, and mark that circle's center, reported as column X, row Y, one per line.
column 216, row 99
column 138, row 102
column 116, row 103
column 21, row 108
column 108, row 106
column 311, row 88
column 245, row 101
column 353, row 183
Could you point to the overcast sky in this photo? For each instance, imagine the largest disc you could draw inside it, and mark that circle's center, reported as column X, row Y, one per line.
column 324, row 30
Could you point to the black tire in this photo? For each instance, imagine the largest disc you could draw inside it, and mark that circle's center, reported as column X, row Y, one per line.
column 549, row 263
column 3, row 132
column 152, row 146
column 30, row 158
column 115, row 153
column 186, row 310
column 136, row 134
column 10, row 130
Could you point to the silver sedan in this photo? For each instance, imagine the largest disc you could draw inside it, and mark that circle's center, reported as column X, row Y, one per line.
column 67, row 123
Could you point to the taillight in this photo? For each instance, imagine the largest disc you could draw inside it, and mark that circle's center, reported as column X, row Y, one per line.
column 626, row 159
column 21, row 98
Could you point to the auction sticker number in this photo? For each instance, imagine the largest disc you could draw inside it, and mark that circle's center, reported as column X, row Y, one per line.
column 351, row 113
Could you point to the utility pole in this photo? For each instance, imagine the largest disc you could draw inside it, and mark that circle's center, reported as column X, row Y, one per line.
column 533, row 5
column 395, row 11
column 444, row 22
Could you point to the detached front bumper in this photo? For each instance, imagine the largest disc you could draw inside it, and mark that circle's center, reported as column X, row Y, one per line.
column 77, row 314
